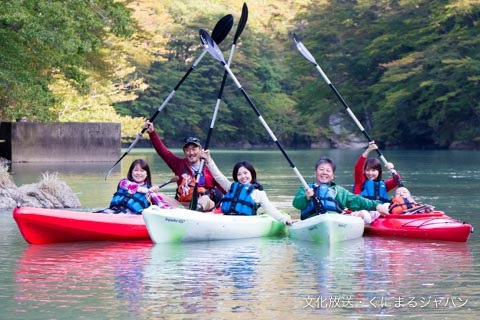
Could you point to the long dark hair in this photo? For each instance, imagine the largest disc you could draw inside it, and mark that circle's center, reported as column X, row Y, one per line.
column 250, row 168
column 375, row 164
column 144, row 165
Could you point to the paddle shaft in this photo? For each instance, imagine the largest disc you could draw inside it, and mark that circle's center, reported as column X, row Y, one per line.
column 220, row 31
column 240, row 27
column 307, row 55
column 167, row 182
column 357, row 122
column 265, row 125
column 213, row 49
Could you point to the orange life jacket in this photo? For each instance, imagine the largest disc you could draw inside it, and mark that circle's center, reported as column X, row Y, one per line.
column 186, row 186
column 399, row 204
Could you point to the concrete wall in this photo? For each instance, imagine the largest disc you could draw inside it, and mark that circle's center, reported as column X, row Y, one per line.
column 66, row 141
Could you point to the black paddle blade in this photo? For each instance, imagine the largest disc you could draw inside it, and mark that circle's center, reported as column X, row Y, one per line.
column 222, row 28
column 242, row 23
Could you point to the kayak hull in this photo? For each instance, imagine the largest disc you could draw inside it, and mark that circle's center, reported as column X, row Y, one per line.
column 182, row 225
column 328, row 228
column 431, row 226
column 44, row 226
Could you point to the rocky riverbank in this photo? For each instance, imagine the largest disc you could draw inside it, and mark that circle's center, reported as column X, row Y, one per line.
column 49, row 192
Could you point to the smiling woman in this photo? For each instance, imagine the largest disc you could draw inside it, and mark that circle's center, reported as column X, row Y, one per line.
column 136, row 192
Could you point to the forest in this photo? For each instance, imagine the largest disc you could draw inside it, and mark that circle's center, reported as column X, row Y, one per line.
column 409, row 71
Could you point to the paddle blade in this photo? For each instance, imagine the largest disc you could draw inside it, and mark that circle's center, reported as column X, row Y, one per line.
column 241, row 24
column 222, row 28
column 210, row 45
column 303, row 50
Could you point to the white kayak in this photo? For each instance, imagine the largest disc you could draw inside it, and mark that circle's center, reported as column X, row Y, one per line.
column 179, row 225
column 328, row 228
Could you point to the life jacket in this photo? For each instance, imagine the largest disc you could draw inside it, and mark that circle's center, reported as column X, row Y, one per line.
column 123, row 201
column 326, row 202
column 187, row 183
column 400, row 204
column 238, row 200
column 375, row 190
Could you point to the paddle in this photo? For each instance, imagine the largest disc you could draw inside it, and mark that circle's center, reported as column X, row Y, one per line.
column 307, row 55
column 213, row 49
column 240, row 27
column 173, row 179
column 220, row 31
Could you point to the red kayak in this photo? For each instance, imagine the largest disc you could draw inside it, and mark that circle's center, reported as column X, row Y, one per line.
column 431, row 226
column 42, row 226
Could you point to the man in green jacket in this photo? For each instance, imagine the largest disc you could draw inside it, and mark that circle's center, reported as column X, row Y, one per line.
column 324, row 195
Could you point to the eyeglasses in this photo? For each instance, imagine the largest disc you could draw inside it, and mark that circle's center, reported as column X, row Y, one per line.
column 192, row 139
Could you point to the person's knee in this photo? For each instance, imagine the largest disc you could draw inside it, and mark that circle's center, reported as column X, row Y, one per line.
column 205, row 203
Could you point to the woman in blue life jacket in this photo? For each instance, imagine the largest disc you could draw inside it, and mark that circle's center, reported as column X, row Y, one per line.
column 368, row 181
column 245, row 195
column 331, row 197
column 136, row 192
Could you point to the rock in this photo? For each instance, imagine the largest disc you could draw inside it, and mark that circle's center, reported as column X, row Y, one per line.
column 50, row 192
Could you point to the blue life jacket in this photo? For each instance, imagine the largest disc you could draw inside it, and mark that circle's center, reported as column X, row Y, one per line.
column 375, row 190
column 123, row 200
column 238, row 200
column 326, row 202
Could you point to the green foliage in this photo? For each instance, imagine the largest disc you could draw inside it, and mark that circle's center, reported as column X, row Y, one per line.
column 46, row 40
column 409, row 70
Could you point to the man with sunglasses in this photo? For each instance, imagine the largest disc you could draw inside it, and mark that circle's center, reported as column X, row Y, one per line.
column 209, row 191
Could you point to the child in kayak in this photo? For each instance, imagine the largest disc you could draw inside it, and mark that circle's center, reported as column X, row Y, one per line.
column 369, row 184
column 403, row 203
column 136, row 192
column 245, row 195
column 331, row 197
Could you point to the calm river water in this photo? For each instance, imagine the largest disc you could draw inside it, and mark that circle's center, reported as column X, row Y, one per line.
column 274, row 278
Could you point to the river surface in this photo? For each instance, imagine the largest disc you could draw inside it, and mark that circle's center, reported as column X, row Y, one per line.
column 271, row 278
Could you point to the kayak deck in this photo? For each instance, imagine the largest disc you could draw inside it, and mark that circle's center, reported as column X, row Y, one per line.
column 183, row 225
column 43, row 226
column 327, row 228
column 431, row 226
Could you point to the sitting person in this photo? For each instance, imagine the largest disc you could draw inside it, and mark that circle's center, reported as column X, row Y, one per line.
column 245, row 195
column 403, row 203
column 368, row 182
column 136, row 192
column 187, row 168
column 326, row 196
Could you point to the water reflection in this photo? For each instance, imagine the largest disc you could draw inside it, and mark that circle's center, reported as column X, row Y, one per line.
column 270, row 277
column 395, row 272
column 275, row 278
column 206, row 277
column 87, row 277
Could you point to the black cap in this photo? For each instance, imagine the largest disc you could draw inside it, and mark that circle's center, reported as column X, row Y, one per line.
column 192, row 140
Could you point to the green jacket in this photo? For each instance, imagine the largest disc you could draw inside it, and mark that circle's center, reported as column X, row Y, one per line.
column 345, row 199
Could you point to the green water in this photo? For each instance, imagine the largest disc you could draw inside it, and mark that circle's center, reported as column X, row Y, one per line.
column 275, row 278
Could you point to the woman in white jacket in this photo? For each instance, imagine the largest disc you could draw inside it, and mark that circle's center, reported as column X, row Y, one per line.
column 245, row 194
